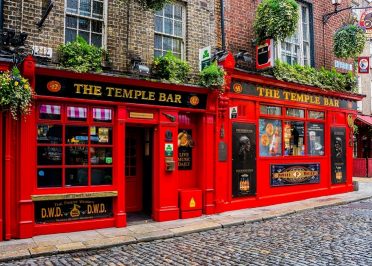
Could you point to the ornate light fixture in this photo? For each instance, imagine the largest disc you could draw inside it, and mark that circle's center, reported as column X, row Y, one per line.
column 336, row 4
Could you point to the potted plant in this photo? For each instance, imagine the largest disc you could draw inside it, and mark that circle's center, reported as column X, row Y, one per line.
column 212, row 76
column 15, row 93
column 80, row 56
column 349, row 41
column 171, row 68
column 276, row 19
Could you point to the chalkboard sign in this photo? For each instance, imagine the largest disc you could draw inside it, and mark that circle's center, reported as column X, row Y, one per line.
column 338, row 155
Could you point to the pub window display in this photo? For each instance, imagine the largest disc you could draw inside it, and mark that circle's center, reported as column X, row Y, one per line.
column 294, row 138
column 270, row 137
column 66, row 153
column 315, row 136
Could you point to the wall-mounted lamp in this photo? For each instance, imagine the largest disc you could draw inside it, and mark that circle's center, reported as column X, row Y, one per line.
column 11, row 41
column 336, row 4
column 138, row 67
column 219, row 55
column 243, row 56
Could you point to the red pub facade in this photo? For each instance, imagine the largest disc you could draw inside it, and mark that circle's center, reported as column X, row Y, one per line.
column 97, row 147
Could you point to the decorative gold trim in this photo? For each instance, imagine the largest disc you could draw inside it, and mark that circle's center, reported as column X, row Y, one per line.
column 70, row 196
column 141, row 115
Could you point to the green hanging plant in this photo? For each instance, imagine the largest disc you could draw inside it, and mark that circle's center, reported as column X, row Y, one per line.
column 349, row 41
column 153, row 4
column 276, row 19
column 15, row 93
column 171, row 68
column 212, row 76
column 80, row 56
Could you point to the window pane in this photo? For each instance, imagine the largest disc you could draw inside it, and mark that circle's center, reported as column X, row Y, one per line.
column 316, row 115
column 102, row 115
column 76, row 135
column 178, row 28
column 70, row 35
column 101, row 135
column 76, row 177
column 49, row 155
column 167, row 44
column 76, row 113
column 177, row 12
column 158, row 24
column 157, row 42
column 96, row 40
column 295, row 112
column 270, row 137
column 85, row 35
column 97, row 26
column 157, row 53
column 72, row 6
column 85, row 6
column 315, row 138
column 168, row 11
column 97, row 9
column 71, row 22
column 51, row 134
column 48, row 111
column 76, row 155
column 84, row 24
column 101, row 176
column 270, row 110
column 100, row 155
column 177, row 46
column 168, row 26
column 294, row 138
column 49, row 177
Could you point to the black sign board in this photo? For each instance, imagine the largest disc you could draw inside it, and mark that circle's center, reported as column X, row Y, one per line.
column 294, row 174
column 72, row 210
column 338, row 155
column 288, row 95
column 185, row 144
column 244, row 159
column 83, row 89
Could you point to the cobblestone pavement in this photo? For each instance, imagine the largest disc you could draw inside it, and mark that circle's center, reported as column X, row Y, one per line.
column 338, row 235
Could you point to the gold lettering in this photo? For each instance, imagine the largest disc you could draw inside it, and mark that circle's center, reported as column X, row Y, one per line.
column 127, row 94
column 293, row 96
column 177, row 98
column 326, row 101
column 269, row 93
column 300, row 97
column 118, row 92
column 97, row 90
column 109, row 89
column 286, row 95
column 143, row 96
column 151, row 96
column 317, row 100
column 43, row 213
column 88, row 89
column 307, row 97
column 137, row 93
column 336, row 103
column 260, row 91
column 78, row 88
column 162, row 97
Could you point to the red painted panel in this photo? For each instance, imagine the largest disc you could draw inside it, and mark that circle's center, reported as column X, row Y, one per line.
column 190, row 199
column 360, row 167
column 1, row 177
column 369, row 167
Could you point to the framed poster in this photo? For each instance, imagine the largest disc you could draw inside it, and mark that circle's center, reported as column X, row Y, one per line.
column 244, row 159
column 338, row 155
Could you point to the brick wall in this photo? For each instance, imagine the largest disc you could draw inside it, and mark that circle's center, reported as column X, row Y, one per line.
column 123, row 40
column 239, row 17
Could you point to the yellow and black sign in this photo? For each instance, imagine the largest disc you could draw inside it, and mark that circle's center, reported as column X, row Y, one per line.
column 294, row 174
column 72, row 209
column 71, row 88
column 288, row 95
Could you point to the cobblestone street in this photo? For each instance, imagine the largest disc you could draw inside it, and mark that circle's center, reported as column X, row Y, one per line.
column 338, row 235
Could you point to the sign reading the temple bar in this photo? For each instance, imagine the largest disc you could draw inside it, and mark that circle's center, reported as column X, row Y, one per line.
column 244, row 159
column 82, row 89
column 185, row 144
column 72, row 210
column 287, row 95
column 294, row 174
column 338, row 155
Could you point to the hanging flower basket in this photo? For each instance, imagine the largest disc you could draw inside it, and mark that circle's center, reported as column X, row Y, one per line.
column 276, row 19
column 15, row 93
column 213, row 76
column 349, row 41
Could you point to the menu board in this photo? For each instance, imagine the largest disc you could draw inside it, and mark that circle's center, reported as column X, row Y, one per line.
column 338, row 155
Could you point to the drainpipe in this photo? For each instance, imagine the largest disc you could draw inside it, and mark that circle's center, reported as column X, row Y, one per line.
column 1, row 15
column 223, row 25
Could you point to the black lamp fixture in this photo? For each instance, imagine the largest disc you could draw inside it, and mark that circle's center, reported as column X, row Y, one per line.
column 219, row 55
column 139, row 67
column 336, row 4
column 243, row 56
column 12, row 41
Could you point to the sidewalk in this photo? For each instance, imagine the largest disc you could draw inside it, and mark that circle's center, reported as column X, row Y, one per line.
column 93, row 239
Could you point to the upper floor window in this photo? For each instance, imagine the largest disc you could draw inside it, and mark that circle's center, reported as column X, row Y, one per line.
column 296, row 49
column 86, row 19
column 170, row 30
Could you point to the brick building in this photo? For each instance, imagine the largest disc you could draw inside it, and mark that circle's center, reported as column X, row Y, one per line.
column 98, row 147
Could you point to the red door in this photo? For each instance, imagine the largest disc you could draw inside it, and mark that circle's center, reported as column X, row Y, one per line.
column 133, row 169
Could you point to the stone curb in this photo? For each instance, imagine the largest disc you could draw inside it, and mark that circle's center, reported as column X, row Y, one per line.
column 146, row 237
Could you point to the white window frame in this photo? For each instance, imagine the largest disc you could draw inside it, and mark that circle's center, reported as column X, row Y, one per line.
column 103, row 20
column 163, row 34
column 299, row 32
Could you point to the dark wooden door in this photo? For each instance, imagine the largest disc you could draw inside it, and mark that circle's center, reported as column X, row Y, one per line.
column 133, row 169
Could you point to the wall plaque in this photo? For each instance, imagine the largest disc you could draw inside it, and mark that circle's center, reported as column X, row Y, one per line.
column 185, row 144
column 294, row 174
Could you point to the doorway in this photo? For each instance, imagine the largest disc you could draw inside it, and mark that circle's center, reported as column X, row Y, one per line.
column 138, row 173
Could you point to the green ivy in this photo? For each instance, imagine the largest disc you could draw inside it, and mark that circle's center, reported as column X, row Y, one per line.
column 153, row 4
column 80, row 56
column 276, row 19
column 212, row 76
column 322, row 78
column 171, row 68
column 349, row 41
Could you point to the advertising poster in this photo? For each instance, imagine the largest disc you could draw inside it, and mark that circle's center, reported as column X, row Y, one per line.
column 72, row 210
column 315, row 139
column 185, row 144
column 294, row 174
column 270, row 137
column 338, row 155
column 244, row 159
